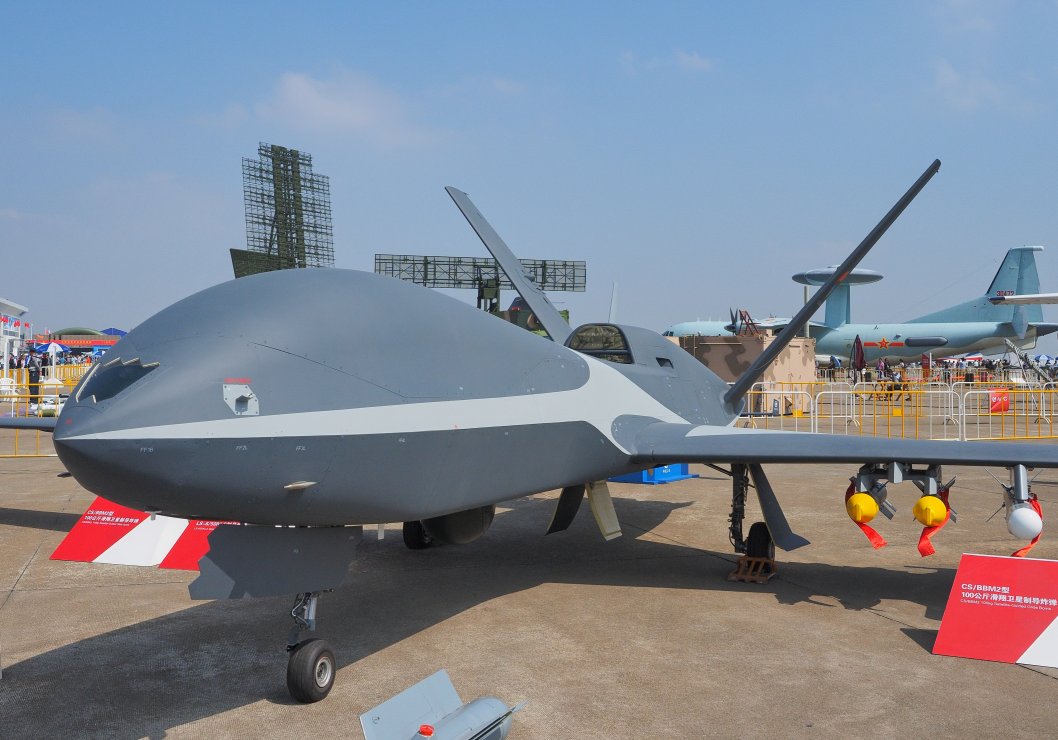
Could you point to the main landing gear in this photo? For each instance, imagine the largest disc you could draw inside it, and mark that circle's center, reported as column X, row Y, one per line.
column 415, row 536
column 757, row 564
column 311, row 667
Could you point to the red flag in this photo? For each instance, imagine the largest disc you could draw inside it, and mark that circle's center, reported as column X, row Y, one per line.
column 857, row 361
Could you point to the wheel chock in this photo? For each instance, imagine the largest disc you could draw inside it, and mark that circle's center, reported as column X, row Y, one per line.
column 753, row 570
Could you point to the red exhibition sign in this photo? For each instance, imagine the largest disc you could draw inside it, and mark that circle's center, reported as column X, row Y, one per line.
column 998, row 401
column 1003, row 609
column 109, row 533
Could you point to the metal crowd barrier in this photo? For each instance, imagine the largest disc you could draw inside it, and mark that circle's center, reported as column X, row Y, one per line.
column 905, row 413
column 68, row 375
column 931, row 410
column 27, row 442
column 1005, row 413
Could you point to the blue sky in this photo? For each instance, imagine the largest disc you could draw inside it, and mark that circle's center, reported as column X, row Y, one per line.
column 697, row 154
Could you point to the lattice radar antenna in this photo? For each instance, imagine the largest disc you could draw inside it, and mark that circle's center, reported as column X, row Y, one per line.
column 288, row 213
column 481, row 273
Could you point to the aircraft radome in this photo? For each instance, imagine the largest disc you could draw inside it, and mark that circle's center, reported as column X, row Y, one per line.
column 294, row 398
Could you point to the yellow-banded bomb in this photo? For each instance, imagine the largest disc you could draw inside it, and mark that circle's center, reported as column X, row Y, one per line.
column 861, row 507
column 930, row 511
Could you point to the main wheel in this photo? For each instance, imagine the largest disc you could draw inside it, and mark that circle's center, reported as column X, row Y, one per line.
column 310, row 671
column 759, row 543
column 415, row 537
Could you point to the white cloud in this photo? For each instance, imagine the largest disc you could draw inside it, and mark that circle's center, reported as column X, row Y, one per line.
column 968, row 92
column 95, row 125
column 967, row 16
column 231, row 117
column 507, row 87
column 350, row 104
column 693, row 61
column 690, row 61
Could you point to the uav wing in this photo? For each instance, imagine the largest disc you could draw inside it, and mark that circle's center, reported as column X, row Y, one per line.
column 539, row 304
column 41, row 423
column 665, row 443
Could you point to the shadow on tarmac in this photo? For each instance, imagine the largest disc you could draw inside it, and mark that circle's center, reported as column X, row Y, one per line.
column 56, row 521
column 214, row 657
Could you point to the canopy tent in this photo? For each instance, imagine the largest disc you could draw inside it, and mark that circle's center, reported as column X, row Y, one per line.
column 52, row 348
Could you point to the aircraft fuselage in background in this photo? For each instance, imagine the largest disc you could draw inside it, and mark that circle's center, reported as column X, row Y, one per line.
column 911, row 341
column 983, row 324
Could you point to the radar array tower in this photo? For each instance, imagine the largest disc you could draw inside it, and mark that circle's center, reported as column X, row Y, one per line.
column 288, row 213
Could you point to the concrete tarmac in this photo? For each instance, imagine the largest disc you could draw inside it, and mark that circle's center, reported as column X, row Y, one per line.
column 639, row 637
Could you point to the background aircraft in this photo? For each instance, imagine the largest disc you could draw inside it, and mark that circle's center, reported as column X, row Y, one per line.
column 978, row 325
column 295, row 398
column 1015, row 300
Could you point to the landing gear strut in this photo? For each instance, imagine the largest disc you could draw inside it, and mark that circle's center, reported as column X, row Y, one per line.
column 739, row 491
column 415, row 536
column 311, row 667
column 757, row 564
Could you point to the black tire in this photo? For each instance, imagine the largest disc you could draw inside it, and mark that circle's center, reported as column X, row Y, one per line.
column 415, row 537
column 310, row 671
column 759, row 543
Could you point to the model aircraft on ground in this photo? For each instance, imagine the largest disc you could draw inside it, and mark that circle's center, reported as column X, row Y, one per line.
column 979, row 325
column 307, row 403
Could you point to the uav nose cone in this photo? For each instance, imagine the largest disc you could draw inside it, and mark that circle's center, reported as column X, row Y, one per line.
column 109, row 468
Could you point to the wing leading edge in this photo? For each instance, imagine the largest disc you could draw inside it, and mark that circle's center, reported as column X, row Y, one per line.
column 40, row 423
column 665, row 443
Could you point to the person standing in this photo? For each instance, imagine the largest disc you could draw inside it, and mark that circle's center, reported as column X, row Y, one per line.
column 33, row 376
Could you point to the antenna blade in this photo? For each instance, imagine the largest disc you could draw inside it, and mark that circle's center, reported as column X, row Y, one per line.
column 613, row 305
column 545, row 312
column 748, row 378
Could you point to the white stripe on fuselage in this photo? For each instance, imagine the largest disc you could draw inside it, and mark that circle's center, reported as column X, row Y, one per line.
column 606, row 395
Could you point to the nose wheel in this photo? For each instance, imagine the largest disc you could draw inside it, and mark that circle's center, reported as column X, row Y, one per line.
column 311, row 668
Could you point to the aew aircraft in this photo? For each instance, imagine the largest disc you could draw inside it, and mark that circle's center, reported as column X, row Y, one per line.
column 293, row 402
column 979, row 325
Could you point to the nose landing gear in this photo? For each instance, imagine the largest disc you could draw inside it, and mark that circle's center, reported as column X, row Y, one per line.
column 311, row 668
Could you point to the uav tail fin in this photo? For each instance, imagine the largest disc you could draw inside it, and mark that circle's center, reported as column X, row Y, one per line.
column 1016, row 276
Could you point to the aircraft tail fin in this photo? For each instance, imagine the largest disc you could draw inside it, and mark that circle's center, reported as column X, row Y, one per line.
column 1017, row 275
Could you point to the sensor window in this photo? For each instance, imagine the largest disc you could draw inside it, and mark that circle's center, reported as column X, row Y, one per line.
column 111, row 379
